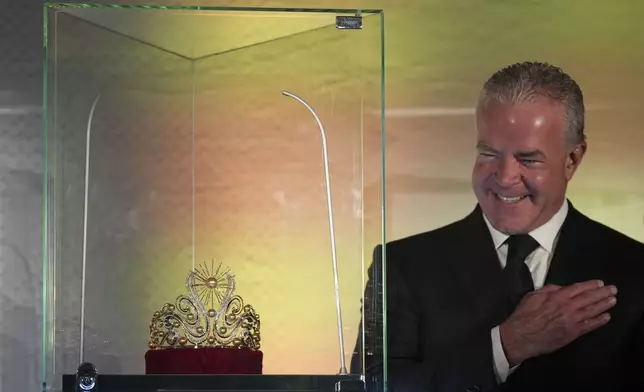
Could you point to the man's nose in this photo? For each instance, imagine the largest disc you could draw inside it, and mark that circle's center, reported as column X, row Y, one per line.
column 508, row 172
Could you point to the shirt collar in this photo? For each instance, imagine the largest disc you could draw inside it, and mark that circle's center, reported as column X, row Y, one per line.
column 544, row 234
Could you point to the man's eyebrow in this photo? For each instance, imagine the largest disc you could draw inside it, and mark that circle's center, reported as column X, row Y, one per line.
column 483, row 146
column 521, row 154
column 530, row 154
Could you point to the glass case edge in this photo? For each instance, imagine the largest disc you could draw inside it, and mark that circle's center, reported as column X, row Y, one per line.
column 61, row 5
column 46, row 284
column 384, row 200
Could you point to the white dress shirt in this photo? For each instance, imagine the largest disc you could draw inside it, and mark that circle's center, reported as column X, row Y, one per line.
column 538, row 263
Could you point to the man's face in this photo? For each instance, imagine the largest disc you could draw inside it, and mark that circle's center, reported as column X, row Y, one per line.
column 523, row 164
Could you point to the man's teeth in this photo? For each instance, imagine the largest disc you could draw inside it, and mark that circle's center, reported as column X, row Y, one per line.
column 511, row 199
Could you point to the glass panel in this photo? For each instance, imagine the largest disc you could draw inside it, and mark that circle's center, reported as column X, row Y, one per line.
column 180, row 140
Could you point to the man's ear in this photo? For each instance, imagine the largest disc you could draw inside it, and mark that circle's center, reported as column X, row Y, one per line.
column 574, row 158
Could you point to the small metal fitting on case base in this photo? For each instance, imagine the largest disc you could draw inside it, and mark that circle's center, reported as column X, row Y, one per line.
column 86, row 378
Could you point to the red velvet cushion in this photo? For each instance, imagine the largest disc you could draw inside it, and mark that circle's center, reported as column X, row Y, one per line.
column 207, row 360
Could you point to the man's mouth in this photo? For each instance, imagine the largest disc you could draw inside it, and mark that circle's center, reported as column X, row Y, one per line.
column 510, row 199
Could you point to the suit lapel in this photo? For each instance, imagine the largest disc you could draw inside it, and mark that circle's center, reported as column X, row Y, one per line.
column 571, row 262
column 482, row 269
column 480, row 246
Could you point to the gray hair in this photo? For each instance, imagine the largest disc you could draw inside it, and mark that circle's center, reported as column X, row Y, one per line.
column 527, row 81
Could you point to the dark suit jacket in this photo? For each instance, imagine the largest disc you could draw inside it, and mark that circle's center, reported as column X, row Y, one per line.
column 444, row 295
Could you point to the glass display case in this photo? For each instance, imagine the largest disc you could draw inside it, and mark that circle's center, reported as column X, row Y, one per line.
column 214, row 198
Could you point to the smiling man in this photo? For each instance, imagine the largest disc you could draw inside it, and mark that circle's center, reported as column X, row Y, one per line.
column 525, row 293
column 524, row 160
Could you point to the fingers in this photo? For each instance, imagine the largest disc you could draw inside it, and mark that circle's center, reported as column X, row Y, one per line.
column 595, row 309
column 593, row 302
column 591, row 324
column 593, row 297
column 578, row 288
column 589, row 301
column 586, row 303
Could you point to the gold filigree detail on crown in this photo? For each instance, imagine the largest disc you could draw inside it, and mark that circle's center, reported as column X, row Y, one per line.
column 211, row 315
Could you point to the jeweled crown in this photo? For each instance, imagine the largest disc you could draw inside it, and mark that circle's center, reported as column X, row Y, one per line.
column 211, row 315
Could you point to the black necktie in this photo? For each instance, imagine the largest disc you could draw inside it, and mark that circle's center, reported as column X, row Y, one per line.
column 518, row 277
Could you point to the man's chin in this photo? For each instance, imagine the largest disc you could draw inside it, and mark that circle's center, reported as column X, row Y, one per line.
column 510, row 223
column 511, row 226
column 512, row 230
column 509, row 218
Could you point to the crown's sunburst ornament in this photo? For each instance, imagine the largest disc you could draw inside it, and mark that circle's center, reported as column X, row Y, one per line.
column 212, row 286
column 211, row 315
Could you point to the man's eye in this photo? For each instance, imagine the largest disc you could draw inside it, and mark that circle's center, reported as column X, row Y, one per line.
column 530, row 161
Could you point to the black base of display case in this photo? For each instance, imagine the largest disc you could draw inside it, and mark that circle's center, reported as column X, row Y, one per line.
column 218, row 383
